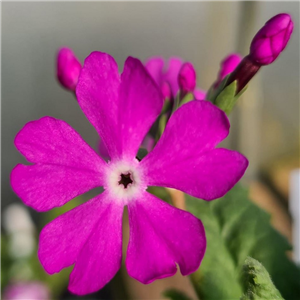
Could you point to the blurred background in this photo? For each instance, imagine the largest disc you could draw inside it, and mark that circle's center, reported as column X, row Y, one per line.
column 265, row 123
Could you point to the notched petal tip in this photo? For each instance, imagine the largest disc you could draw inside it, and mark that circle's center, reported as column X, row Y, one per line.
column 162, row 237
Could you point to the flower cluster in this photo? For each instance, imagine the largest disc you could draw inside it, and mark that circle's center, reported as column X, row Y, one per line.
column 122, row 110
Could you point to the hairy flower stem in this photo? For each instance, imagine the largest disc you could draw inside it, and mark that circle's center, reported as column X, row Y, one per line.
column 243, row 73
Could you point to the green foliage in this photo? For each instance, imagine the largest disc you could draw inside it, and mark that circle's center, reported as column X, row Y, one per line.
column 257, row 281
column 236, row 228
column 216, row 279
column 6, row 261
column 174, row 294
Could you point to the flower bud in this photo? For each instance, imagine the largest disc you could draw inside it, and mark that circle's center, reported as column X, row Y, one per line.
column 271, row 39
column 228, row 65
column 68, row 68
column 199, row 94
column 187, row 78
column 166, row 90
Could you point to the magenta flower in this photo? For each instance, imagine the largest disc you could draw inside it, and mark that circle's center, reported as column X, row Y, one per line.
column 167, row 76
column 68, row 68
column 271, row 39
column 122, row 110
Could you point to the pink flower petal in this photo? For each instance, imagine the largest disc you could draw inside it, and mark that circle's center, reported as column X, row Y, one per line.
column 52, row 141
column 65, row 165
column 209, row 176
column 171, row 75
column 90, row 236
column 102, row 150
column 154, row 66
column 101, row 257
column 140, row 104
column 160, row 237
column 184, row 157
column 44, row 187
column 61, row 240
column 97, row 94
column 122, row 112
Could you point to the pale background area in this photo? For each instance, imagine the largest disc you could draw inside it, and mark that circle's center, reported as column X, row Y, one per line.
column 265, row 125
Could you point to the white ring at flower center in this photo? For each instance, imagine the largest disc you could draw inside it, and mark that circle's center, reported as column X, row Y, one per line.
column 117, row 190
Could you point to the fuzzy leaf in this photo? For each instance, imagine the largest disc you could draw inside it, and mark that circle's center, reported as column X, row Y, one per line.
column 236, row 228
column 258, row 283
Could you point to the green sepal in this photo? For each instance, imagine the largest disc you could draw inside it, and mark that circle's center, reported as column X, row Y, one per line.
column 257, row 281
column 187, row 98
column 227, row 98
column 175, row 294
column 213, row 93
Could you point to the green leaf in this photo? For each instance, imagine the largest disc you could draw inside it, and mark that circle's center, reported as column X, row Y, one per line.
column 217, row 277
column 6, row 261
column 175, row 294
column 236, row 228
column 258, row 283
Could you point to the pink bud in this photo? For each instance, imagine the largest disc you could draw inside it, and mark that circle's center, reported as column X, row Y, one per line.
column 166, row 90
column 68, row 68
column 271, row 39
column 199, row 94
column 228, row 65
column 187, row 77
